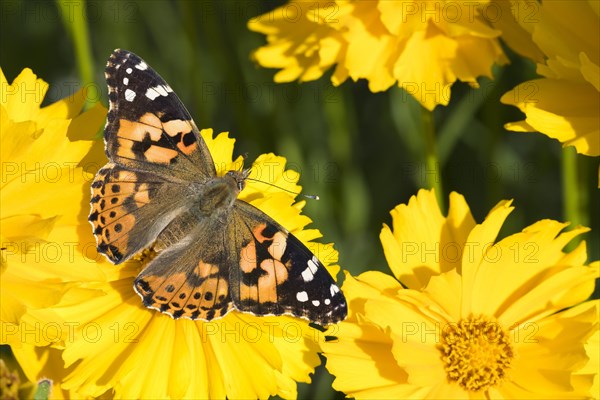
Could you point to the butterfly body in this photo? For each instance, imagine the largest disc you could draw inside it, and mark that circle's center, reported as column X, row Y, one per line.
column 160, row 190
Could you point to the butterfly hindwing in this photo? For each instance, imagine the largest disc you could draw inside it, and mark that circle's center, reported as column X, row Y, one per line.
column 148, row 128
column 203, row 275
column 190, row 277
column 276, row 274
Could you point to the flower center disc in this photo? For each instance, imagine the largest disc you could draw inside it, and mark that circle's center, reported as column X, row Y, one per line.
column 476, row 353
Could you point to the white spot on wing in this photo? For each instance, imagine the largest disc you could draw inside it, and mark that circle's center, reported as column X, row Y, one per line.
column 129, row 95
column 142, row 66
column 333, row 289
column 151, row 93
column 302, row 297
column 316, row 303
column 129, row 70
column 327, row 302
column 125, row 81
column 161, row 90
column 307, row 275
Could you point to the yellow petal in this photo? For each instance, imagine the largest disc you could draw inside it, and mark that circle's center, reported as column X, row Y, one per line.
column 23, row 97
column 423, row 243
column 476, row 250
column 421, row 360
column 362, row 355
column 539, row 366
column 566, row 32
column 443, row 290
column 411, row 250
column 517, row 36
column 573, row 123
column 565, row 29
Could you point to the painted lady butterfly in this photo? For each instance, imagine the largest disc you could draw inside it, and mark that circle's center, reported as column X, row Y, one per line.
column 160, row 189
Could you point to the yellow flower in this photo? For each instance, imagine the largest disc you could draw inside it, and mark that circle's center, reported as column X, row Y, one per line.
column 468, row 315
column 564, row 103
column 423, row 46
column 44, row 184
column 112, row 343
column 41, row 173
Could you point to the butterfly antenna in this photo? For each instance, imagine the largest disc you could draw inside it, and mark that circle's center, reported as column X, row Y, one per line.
column 244, row 157
column 308, row 196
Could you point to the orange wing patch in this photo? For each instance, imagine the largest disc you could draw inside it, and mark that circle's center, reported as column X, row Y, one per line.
column 145, row 138
column 136, row 131
column 272, row 272
column 142, row 195
column 125, row 148
column 202, row 294
column 151, row 120
column 160, row 155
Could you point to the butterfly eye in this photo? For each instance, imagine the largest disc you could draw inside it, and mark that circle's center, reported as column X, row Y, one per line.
column 239, row 179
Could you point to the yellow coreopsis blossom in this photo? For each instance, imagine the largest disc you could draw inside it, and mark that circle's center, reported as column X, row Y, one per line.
column 423, row 46
column 564, row 103
column 41, row 173
column 43, row 187
column 114, row 346
column 466, row 315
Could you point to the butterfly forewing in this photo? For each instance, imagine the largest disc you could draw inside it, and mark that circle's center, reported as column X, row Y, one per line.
column 277, row 274
column 160, row 190
column 148, row 127
column 128, row 209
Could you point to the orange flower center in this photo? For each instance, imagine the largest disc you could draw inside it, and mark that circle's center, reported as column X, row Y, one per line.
column 476, row 353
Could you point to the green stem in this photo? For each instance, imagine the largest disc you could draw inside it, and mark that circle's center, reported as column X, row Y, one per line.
column 574, row 199
column 73, row 14
column 433, row 176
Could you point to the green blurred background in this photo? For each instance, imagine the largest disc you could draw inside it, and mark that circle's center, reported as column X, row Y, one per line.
column 361, row 152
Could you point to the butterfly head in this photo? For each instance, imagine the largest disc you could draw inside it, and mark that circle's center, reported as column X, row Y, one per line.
column 239, row 178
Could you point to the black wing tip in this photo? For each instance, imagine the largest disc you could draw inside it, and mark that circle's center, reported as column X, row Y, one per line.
column 115, row 55
column 116, row 58
column 119, row 53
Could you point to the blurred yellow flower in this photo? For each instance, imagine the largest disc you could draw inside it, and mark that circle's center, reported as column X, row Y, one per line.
column 41, row 174
column 564, row 103
column 423, row 46
column 467, row 315
column 43, row 186
column 115, row 346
